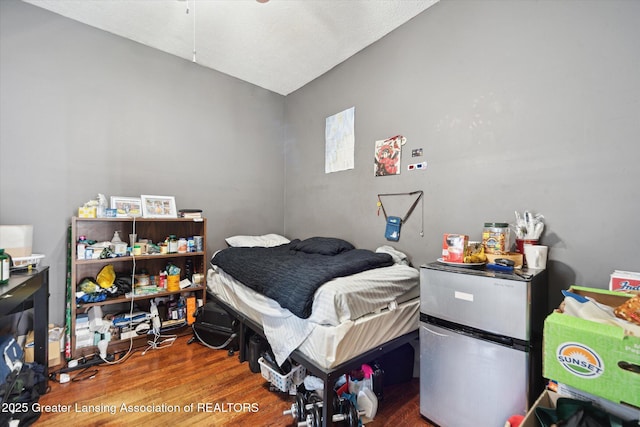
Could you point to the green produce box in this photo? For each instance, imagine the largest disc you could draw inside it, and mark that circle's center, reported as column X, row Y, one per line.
column 597, row 358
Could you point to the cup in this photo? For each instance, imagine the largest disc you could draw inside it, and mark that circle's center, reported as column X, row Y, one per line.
column 133, row 238
column 536, row 256
column 521, row 242
column 520, row 246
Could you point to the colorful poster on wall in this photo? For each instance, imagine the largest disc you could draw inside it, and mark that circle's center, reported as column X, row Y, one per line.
column 339, row 141
column 387, row 155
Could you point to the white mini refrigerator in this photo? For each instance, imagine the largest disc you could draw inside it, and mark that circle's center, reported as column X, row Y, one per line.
column 480, row 344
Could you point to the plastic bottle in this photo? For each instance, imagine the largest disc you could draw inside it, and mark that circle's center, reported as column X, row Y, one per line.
column 173, row 244
column 182, row 245
column 101, row 211
column 116, row 237
column 5, row 268
column 162, row 279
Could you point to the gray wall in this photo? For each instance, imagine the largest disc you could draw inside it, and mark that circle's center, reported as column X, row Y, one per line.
column 517, row 105
column 85, row 112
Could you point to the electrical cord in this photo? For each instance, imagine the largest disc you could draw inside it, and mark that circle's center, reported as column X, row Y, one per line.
column 86, row 375
column 122, row 358
column 155, row 344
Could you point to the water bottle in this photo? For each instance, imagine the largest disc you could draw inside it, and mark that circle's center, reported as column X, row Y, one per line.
column 5, row 268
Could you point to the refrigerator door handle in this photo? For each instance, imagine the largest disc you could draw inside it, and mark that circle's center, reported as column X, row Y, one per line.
column 434, row 332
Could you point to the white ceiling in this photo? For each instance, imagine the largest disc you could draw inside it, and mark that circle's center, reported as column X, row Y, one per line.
column 279, row 45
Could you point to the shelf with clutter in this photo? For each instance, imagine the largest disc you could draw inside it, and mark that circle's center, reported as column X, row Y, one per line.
column 130, row 264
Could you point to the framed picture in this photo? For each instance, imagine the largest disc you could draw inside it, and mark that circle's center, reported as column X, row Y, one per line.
column 126, row 206
column 159, row 206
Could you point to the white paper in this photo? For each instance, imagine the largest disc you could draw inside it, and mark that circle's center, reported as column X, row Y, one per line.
column 339, row 141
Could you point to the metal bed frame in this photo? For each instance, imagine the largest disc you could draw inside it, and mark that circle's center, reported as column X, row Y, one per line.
column 328, row 376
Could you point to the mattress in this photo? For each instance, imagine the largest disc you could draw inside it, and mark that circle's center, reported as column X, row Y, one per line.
column 350, row 315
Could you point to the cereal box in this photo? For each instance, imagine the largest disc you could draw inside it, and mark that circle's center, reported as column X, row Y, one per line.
column 626, row 281
column 453, row 247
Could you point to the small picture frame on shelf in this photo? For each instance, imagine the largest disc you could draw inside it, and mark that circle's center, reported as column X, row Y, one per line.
column 126, row 206
column 159, row 206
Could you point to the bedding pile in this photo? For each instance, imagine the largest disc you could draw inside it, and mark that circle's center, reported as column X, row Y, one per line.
column 292, row 272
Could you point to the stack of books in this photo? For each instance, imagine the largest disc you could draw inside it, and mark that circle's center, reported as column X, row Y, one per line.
column 190, row 213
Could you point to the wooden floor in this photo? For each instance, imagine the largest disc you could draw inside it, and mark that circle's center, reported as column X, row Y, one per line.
column 191, row 385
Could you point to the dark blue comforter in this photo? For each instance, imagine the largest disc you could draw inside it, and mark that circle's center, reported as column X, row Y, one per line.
column 291, row 273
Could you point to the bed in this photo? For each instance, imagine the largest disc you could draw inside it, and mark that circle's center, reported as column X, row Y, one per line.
column 331, row 321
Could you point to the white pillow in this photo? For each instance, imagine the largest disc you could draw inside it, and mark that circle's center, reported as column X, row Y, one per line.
column 398, row 257
column 266, row 241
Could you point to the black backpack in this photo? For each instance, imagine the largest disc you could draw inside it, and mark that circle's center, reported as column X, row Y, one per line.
column 19, row 393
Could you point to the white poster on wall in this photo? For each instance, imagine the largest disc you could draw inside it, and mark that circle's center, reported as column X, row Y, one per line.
column 339, row 141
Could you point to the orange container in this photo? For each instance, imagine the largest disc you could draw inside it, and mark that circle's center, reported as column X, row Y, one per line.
column 173, row 283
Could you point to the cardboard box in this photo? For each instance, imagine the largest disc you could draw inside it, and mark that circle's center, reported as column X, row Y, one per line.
column 55, row 335
column 626, row 281
column 625, row 413
column 547, row 399
column 90, row 212
column 590, row 356
column 454, row 247
column 16, row 240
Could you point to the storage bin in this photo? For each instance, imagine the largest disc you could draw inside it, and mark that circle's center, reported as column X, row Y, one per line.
column 285, row 383
column 27, row 261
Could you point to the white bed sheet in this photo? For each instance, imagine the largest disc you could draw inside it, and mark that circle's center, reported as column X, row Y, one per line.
column 329, row 346
column 341, row 307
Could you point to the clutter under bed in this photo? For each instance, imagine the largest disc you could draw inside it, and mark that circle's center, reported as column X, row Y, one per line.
column 319, row 301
